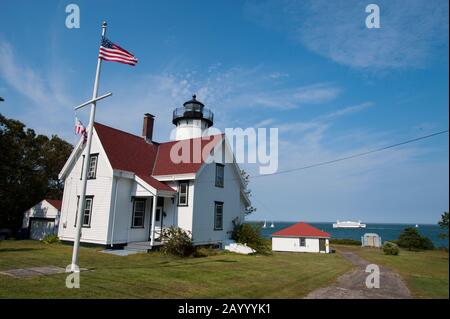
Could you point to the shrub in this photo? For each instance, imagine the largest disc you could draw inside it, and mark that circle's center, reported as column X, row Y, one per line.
column 390, row 248
column 345, row 241
column 177, row 242
column 205, row 252
column 251, row 236
column 50, row 239
column 411, row 239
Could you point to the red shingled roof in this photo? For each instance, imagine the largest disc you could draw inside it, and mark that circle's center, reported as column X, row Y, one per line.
column 195, row 147
column 132, row 153
column 301, row 230
column 57, row 203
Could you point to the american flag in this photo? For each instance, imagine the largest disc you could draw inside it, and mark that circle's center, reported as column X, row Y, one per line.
column 112, row 52
column 80, row 130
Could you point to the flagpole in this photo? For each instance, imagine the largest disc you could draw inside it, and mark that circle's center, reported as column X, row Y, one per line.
column 87, row 152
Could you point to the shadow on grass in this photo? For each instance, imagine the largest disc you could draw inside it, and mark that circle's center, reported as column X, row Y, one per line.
column 7, row 250
column 176, row 263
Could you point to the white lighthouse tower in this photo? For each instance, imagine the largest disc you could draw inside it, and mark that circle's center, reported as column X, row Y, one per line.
column 192, row 120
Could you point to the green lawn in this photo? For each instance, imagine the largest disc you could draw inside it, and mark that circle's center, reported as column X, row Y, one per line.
column 425, row 272
column 153, row 275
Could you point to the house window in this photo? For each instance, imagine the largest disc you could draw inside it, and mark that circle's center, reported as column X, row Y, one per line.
column 138, row 213
column 183, row 194
column 87, row 211
column 219, row 174
column 302, row 242
column 218, row 215
column 92, row 172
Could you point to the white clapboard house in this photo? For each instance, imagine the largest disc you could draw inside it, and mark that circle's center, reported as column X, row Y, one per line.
column 135, row 189
column 301, row 237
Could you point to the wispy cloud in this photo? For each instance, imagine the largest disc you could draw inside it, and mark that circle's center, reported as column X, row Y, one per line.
column 409, row 32
column 26, row 80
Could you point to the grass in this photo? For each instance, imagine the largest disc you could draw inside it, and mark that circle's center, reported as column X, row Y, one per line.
column 153, row 275
column 425, row 272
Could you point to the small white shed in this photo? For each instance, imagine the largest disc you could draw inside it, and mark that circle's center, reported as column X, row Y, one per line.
column 371, row 240
column 301, row 237
column 42, row 219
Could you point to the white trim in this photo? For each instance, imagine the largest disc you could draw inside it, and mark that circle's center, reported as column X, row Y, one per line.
column 76, row 152
column 176, row 177
column 152, row 190
column 72, row 158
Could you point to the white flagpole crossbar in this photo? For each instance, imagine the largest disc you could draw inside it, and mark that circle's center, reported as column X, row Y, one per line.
column 93, row 100
column 81, row 206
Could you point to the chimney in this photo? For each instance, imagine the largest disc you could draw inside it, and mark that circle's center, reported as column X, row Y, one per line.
column 147, row 129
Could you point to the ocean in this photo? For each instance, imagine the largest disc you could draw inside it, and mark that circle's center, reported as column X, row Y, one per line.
column 386, row 231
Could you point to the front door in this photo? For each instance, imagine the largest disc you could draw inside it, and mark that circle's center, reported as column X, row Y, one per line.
column 322, row 247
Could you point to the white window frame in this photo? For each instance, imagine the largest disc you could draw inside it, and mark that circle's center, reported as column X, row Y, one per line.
column 88, row 210
column 133, row 220
column 302, row 240
column 184, row 195
column 92, row 170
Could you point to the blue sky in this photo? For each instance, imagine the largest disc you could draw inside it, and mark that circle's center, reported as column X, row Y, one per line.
column 310, row 68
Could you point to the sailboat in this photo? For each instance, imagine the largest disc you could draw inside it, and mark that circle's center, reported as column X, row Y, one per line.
column 417, row 226
column 272, row 225
column 265, row 224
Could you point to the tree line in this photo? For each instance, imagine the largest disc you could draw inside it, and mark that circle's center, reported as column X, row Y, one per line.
column 29, row 167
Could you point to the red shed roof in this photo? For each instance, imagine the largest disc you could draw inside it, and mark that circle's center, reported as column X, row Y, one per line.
column 57, row 203
column 132, row 153
column 301, row 230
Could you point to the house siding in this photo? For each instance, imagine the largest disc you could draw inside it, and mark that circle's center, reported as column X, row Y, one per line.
column 292, row 244
column 100, row 188
column 206, row 196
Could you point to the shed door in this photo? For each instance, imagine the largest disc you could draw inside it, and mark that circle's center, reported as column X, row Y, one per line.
column 322, row 244
column 39, row 228
column 371, row 240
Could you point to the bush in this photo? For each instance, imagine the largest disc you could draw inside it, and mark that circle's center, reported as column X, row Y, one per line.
column 50, row 239
column 251, row 236
column 345, row 241
column 412, row 240
column 390, row 248
column 177, row 242
column 205, row 252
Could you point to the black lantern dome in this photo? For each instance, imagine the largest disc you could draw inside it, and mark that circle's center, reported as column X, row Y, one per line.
column 193, row 109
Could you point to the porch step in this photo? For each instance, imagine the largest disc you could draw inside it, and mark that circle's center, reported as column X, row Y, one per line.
column 142, row 246
column 139, row 246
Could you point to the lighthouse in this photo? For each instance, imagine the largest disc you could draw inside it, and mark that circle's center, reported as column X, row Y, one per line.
column 192, row 120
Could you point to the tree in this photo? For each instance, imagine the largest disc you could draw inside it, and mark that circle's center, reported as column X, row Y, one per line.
column 411, row 239
column 246, row 179
column 29, row 167
column 444, row 225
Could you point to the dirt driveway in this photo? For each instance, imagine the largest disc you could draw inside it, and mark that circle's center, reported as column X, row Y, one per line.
column 352, row 285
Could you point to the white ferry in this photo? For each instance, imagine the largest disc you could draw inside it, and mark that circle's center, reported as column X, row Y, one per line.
column 349, row 224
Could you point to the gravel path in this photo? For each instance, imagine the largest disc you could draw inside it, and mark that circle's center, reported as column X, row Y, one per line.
column 352, row 285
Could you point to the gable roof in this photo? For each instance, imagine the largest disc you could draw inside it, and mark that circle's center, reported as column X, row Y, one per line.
column 132, row 153
column 301, row 230
column 57, row 203
column 196, row 146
